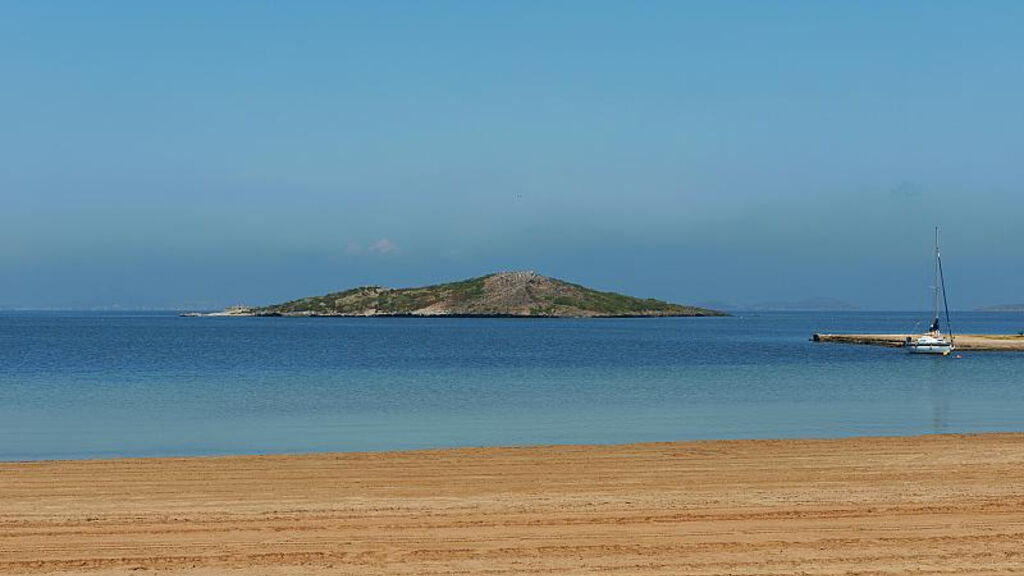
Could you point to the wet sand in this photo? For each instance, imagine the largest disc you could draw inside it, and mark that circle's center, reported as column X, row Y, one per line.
column 921, row 505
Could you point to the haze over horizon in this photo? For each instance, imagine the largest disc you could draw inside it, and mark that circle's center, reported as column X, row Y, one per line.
column 198, row 155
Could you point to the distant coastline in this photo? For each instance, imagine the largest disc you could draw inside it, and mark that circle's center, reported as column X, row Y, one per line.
column 813, row 304
column 1001, row 308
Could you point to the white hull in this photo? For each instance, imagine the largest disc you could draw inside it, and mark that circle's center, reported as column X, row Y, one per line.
column 934, row 342
column 942, row 349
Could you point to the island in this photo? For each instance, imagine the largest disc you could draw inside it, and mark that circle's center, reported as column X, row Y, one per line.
column 502, row 294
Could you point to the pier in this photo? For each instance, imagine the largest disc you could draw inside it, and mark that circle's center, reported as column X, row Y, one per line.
column 975, row 342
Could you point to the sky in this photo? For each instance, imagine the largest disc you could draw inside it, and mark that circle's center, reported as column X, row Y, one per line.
column 201, row 154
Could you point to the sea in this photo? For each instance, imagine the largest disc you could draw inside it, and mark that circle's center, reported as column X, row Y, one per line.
column 79, row 385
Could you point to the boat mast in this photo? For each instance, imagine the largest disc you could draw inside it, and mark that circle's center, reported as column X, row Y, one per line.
column 935, row 286
column 942, row 285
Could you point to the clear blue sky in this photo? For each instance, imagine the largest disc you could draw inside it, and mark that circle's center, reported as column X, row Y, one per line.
column 199, row 154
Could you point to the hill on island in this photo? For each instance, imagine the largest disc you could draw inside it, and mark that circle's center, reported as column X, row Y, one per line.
column 501, row 294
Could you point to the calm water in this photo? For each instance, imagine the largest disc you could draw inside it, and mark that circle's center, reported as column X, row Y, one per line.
column 75, row 385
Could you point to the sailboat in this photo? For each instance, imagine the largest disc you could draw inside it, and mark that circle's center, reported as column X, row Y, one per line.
column 935, row 342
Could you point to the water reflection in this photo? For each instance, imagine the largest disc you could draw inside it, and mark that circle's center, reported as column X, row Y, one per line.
column 939, row 380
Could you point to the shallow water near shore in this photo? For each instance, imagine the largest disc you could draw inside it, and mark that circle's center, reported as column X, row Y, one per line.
column 84, row 385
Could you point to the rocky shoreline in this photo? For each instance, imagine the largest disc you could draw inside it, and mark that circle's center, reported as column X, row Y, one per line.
column 262, row 314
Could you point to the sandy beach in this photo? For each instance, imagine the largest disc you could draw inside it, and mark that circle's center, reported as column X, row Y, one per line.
column 920, row 505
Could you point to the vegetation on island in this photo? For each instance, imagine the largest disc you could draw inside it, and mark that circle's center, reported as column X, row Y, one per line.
column 500, row 294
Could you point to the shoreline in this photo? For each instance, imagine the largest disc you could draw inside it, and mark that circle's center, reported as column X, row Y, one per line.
column 412, row 315
column 897, row 505
column 435, row 450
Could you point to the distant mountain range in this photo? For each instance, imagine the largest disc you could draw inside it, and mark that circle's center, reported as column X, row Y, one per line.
column 1002, row 308
column 815, row 304
column 523, row 293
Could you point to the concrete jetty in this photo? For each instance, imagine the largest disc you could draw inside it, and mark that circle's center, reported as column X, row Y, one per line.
column 977, row 342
